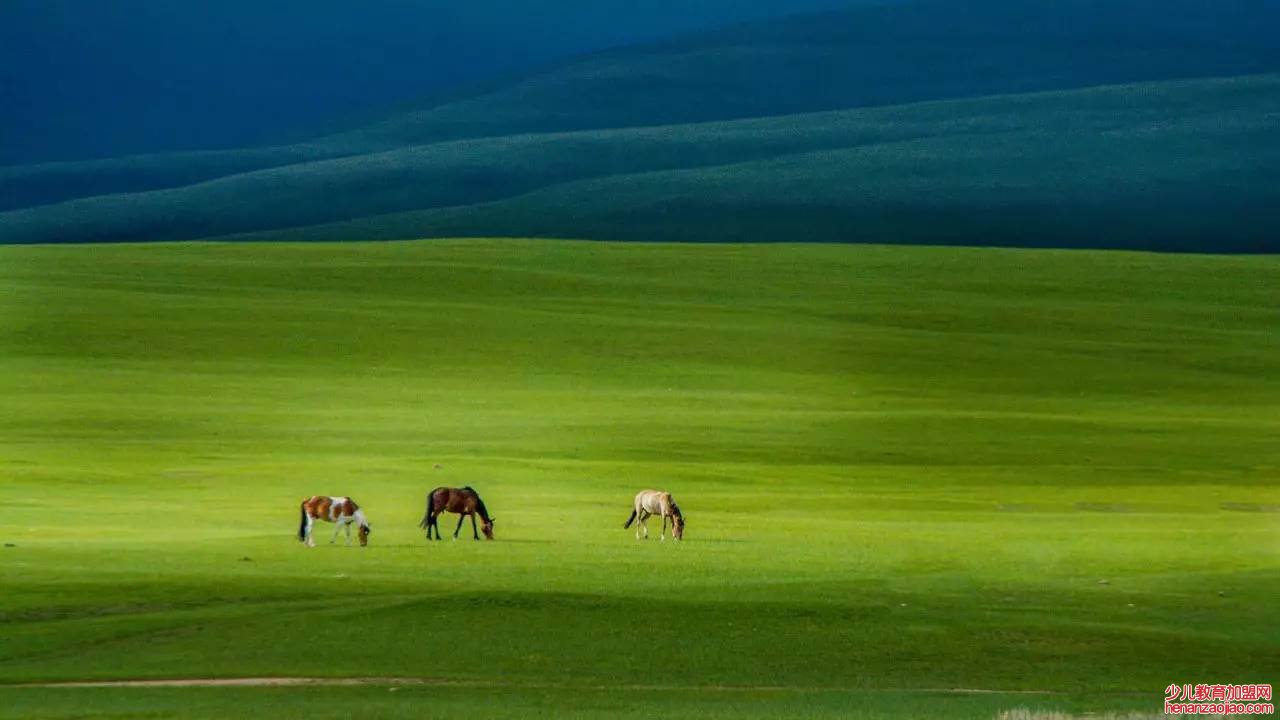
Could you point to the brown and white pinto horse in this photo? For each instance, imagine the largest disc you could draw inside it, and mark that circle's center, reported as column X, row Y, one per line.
column 656, row 502
column 341, row 511
column 464, row 501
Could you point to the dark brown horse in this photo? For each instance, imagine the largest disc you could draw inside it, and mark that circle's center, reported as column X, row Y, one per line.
column 463, row 501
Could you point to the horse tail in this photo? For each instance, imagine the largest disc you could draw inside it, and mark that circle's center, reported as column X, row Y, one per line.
column 630, row 520
column 302, row 529
column 426, row 517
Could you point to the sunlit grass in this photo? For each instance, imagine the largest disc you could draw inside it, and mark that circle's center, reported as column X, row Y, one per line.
column 903, row 470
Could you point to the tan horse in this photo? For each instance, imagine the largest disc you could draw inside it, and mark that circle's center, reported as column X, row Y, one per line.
column 341, row 511
column 463, row 501
column 656, row 502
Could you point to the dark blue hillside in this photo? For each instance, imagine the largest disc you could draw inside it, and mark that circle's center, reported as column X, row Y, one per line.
column 1069, row 123
column 81, row 79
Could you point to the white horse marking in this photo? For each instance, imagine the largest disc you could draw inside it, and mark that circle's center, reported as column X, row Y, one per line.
column 343, row 512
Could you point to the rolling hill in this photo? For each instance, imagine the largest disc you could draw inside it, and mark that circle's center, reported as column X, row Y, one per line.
column 236, row 73
column 880, row 55
column 1079, row 123
column 1186, row 165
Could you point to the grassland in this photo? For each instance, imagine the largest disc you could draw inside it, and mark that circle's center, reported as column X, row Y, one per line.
column 906, row 471
column 1176, row 166
column 929, row 122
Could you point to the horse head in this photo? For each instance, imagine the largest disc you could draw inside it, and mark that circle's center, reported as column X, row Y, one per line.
column 677, row 526
column 486, row 527
column 364, row 534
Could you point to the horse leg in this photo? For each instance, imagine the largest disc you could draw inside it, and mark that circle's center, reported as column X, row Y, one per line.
column 475, row 533
column 349, row 523
column 435, row 523
column 337, row 528
column 644, row 522
column 663, row 536
column 459, row 528
column 309, row 542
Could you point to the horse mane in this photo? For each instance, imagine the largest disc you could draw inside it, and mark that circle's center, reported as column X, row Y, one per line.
column 484, row 512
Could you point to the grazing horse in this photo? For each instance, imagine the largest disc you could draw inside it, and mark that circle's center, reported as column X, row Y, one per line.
column 656, row 502
column 341, row 511
column 463, row 501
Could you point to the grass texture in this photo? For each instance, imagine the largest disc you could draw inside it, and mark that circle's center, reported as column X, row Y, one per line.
column 907, row 472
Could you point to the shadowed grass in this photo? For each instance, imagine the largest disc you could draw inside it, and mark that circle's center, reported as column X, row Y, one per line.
column 882, row 55
column 1173, row 166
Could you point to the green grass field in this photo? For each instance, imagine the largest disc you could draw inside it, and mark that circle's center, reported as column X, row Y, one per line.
column 907, row 472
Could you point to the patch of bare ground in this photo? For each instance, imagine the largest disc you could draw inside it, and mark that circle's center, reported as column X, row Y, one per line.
column 503, row 682
column 1024, row 714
